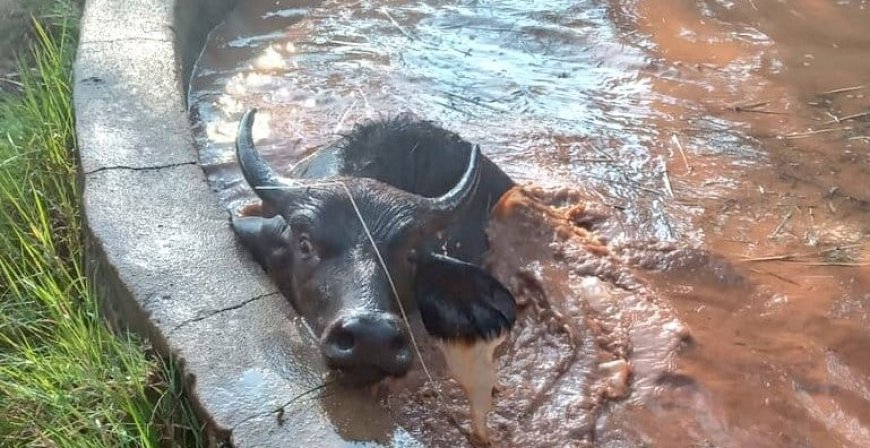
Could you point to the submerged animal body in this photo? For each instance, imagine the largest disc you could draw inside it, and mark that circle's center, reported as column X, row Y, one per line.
column 390, row 219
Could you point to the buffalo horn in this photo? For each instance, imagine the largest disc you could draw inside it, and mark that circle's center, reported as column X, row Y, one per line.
column 259, row 175
column 461, row 193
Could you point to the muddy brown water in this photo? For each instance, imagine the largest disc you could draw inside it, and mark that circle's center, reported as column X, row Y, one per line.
column 718, row 151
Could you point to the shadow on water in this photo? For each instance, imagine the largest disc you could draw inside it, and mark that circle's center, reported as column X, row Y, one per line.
column 739, row 127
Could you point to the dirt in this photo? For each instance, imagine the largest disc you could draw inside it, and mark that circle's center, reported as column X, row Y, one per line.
column 692, row 263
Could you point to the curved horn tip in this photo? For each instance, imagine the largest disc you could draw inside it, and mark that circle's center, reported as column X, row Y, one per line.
column 464, row 189
column 474, row 157
column 245, row 135
column 247, row 121
column 256, row 171
column 471, row 176
column 474, row 165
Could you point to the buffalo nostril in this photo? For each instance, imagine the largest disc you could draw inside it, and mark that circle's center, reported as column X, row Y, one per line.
column 344, row 340
column 367, row 343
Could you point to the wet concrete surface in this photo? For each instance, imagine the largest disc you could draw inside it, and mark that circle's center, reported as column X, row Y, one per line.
column 159, row 246
column 131, row 125
column 736, row 128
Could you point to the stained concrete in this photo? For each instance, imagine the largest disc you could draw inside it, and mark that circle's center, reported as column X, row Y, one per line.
column 160, row 249
column 131, row 106
column 134, row 20
column 172, row 250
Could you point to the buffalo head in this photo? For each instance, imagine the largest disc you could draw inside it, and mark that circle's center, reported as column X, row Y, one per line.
column 346, row 250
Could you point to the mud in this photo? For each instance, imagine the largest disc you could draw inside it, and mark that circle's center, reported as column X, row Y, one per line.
column 700, row 276
column 589, row 332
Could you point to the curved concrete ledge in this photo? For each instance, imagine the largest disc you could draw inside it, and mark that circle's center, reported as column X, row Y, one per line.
column 160, row 248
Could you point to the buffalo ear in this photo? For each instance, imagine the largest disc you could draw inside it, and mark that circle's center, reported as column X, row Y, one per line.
column 268, row 239
column 459, row 301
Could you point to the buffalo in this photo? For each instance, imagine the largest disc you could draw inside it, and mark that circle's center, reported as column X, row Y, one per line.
column 388, row 220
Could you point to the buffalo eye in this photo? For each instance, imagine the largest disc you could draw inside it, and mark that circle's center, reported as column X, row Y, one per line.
column 304, row 247
column 412, row 257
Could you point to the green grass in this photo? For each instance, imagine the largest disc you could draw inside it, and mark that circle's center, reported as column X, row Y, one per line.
column 66, row 380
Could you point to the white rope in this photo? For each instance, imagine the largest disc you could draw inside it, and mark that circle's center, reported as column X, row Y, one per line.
column 441, row 398
column 392, row 284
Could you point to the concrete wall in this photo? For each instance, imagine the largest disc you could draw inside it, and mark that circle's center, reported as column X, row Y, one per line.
column 162, row 254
